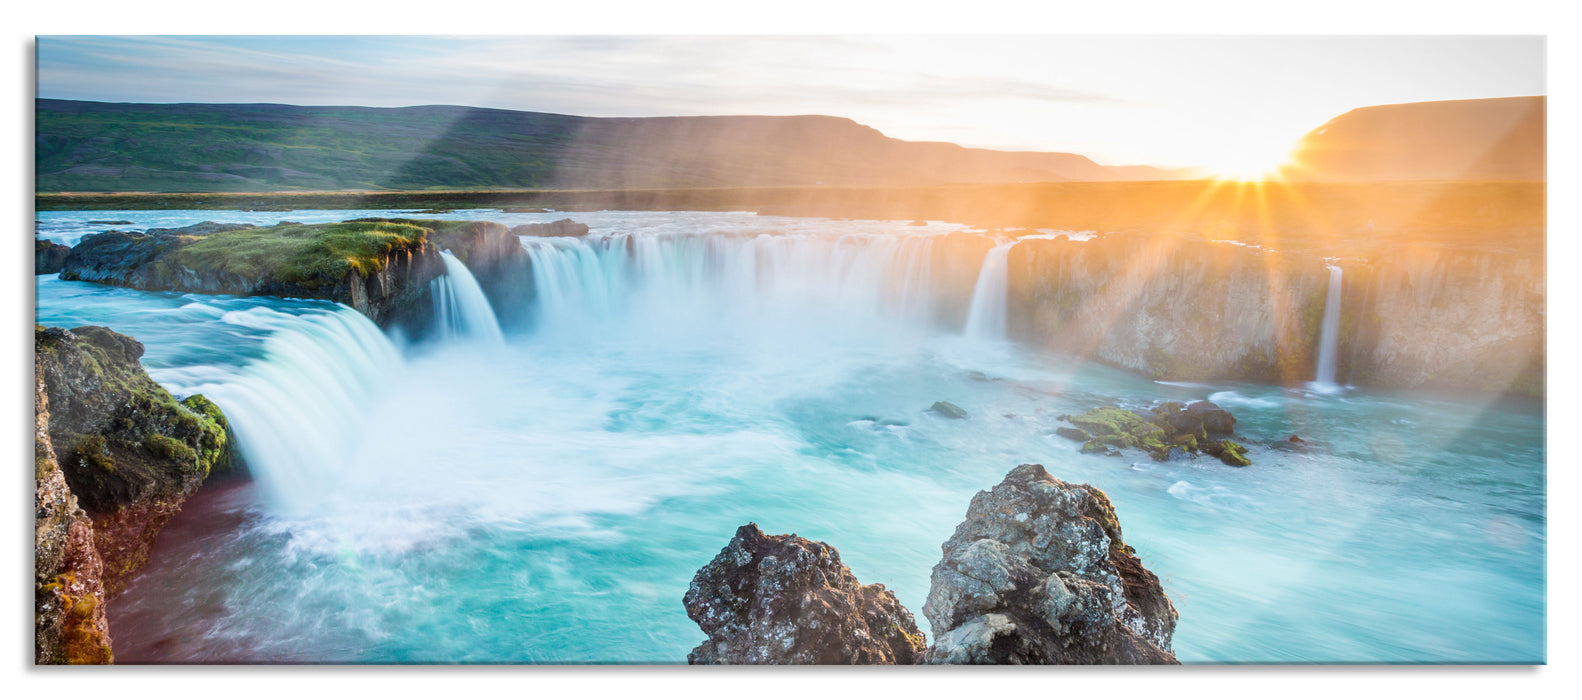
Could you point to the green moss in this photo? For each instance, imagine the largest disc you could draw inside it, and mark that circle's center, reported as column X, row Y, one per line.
column 1110, row 425
column 93, row 452
column 214, row 437
column 1233, row 453
column 312, row 255
column 169, row 448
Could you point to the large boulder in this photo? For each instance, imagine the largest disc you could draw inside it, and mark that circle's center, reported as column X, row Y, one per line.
column 782, row 599
column 1216, row 420
column 1038, row 574
column 129, row 452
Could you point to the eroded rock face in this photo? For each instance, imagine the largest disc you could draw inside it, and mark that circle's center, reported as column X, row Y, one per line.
column 128, row 453
column 783, row 599
column 69, row 626
column 1038, row 574
column 142, row 261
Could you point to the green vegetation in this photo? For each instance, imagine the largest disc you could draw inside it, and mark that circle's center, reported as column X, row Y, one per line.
column 1233, row 453
column 93, row 452
column 213, row 433
column 169, row 448
column 1169, row 428
column 309, row 255
column 1118, row 427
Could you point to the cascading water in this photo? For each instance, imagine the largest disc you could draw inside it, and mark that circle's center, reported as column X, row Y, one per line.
column 671, row 276
column 986, row 316
column 1329, row 334
column 292, row 409
column 461, row 311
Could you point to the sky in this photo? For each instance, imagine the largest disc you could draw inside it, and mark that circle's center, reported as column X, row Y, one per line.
column 1232, row 104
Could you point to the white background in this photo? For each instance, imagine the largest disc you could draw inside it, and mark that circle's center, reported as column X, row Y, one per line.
column 23, row 21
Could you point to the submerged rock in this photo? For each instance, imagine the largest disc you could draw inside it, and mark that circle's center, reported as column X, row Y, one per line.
column 129, row 453
column 1038, row 574
column 782, row 599
column 1170, row 430
column 1076, row 434
column 946, row 409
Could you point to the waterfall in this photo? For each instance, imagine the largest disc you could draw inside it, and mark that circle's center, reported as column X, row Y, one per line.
column 986, row 316
column 1329, row 336
column 729, row 278
column 292, row 409
column 461, row 310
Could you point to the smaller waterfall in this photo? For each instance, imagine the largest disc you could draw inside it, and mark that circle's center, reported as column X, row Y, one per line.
column 460, row 308
column 986, row 316
column 1329, row 336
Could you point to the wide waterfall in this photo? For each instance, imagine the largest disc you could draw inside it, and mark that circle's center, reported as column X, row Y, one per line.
column 986, row 316
column 759, row 278
column 1329, row 334
column 461, row 311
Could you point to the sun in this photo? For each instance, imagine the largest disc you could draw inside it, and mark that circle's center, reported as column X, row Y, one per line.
column 1249, row 162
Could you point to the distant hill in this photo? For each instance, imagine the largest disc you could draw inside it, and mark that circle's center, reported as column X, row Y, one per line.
column 1493, row 139
column 109, row 147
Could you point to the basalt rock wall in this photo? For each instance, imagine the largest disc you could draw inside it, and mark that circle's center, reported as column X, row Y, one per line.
column 1180, row 308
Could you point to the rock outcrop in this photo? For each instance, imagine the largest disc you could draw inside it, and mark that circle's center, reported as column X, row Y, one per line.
column 493, row 254
column 1038, row 574
column 382, row 270
column 48, row 256
column 128, row 452
column 563, row 227
column 1166, row 431
column 783, row 599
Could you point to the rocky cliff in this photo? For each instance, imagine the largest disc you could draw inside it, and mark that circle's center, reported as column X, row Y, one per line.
column 1038, row 574
column 782, row 599
column 68, row 576
column 116, row 456
column 1181, row 308
column 1432, row 317
column 380, row 267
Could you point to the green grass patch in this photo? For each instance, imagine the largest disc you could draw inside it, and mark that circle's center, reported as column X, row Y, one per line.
column 311, row 255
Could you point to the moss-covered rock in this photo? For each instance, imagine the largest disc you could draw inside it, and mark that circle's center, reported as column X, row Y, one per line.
column 377, row 267
column 1169, row 430
column 1111, row 425
column 1229, row 452
column 128, row 451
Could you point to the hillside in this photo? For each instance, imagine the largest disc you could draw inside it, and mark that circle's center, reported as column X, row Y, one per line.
column 1493, row 139
column 112, row 147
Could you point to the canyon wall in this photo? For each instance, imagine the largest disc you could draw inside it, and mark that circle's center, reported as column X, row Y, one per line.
column 1180, row 308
